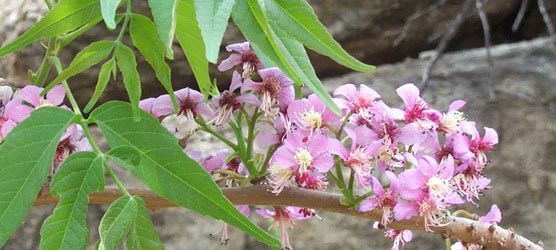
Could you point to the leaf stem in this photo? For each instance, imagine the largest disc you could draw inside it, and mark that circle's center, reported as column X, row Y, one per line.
column 116, row 180
column 216, row 134
column 126, row 22
column 58, row 65
column 269, row 154
column 89, row 136
column 344, row 123
column 251, row 132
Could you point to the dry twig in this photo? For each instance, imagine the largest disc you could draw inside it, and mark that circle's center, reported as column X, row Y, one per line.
column 470, row 231
column 486, row 35
column 547, row 22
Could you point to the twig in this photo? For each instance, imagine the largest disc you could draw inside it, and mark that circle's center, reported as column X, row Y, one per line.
column 444, row 41
column 547, row 21
column 520, row 15
column 470, row 231
column 486, row 34
column 414, row 17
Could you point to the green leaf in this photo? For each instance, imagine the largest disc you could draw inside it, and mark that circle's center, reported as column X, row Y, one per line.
column 86, row 58
column 144, row 35
column 80, row 174
column 167, row 170
column 26, row 157
column 269, row 46
column 164, row 14
column 302, row 65
column 132, row 83
column 103, row 78
column 108, row 8
column 66, row 16
column 213, row 16
column 126, row 156
column 297, row 18
column 143, row 236
column 69, row 37
column 117, row 222
column 191, row 41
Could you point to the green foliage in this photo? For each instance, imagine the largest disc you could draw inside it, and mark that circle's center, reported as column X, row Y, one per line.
column 143, row 235
column 66, row 16
column 86, row 58
column 126, row 156
column 103, row 78
column 298, row 19
column 167, row 170
column 164, row 13
column 108, row 8
column 144, row 35
column 191, row 41
column 213, row 18
column 80, row 174
column 21, row 178
column 117, row 222
column 125, row 58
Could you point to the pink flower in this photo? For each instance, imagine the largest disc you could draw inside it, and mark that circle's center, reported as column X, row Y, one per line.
column 427, row 190
column 399, row 237
column 31, row 95
column 383, row 199
column 275, row 134
column 359, row 157
column 468, row 145
column 228, row 101
column 8, row 112
column 493, row 216
column 284, row 218
column 449, row 122
column 244, row 57
column 311, row 113
column 357, row 101
column 301, row 154
column 276, row 90
column 147, row 106
column 191, row 105
column 72, row 141
column 211, row 162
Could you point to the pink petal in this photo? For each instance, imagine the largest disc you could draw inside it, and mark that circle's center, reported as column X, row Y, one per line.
column 249, row 98
column 283, row 157
column 230, row 62
column 411, row 134
column 367, row 205
column 456, row 105
column 491, row 137
column 337, row 148
column 265, row 213
column 147, row 104
column 7, row 127
column 347, row 90
column 493, row 216
column 411, row 179
column 237, row 81
column 30, row 94
column 16, row 111
column 323, row 162
column 405, row 210
column 56, row 95
column 162, row 106
column 409, row 94
column 377, row 186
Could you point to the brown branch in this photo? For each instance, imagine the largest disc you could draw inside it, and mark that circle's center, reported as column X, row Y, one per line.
column 486, row 34
column 470, row 231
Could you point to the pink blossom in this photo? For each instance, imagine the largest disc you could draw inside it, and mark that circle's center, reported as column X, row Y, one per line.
column 493, row 216
column 383, row 199
column 276, row 90
column 191, row 104
column 357, row 101
column 8, row 112
column 243, row 56
column 275, row 134
column 449, row 122
column 228, row 102
column 147, row 106
column 284, row 219
column 468, row 145
column 427, row 190
column 73, row 140
column 399, row 237
column 311, row 113
column 359, row 157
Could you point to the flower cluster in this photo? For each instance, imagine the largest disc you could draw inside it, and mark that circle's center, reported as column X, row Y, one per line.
column 409, row 161
column 16, row 107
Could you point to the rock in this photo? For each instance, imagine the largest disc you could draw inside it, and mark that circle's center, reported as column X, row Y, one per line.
column 367, row 29
column 523, row 167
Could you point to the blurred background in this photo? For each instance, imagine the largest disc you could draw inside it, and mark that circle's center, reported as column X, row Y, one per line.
column 513, row 92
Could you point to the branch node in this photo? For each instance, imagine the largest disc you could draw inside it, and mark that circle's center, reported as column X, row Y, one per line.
column 492, row 228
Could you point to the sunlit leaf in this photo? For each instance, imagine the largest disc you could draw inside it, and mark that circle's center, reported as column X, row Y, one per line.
column 164, row 13
column 191, row 41
column 117, row 222
column 213, row 18
column 108, row 8
column 297, row 18
column 67, row 15
column 143, row 236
